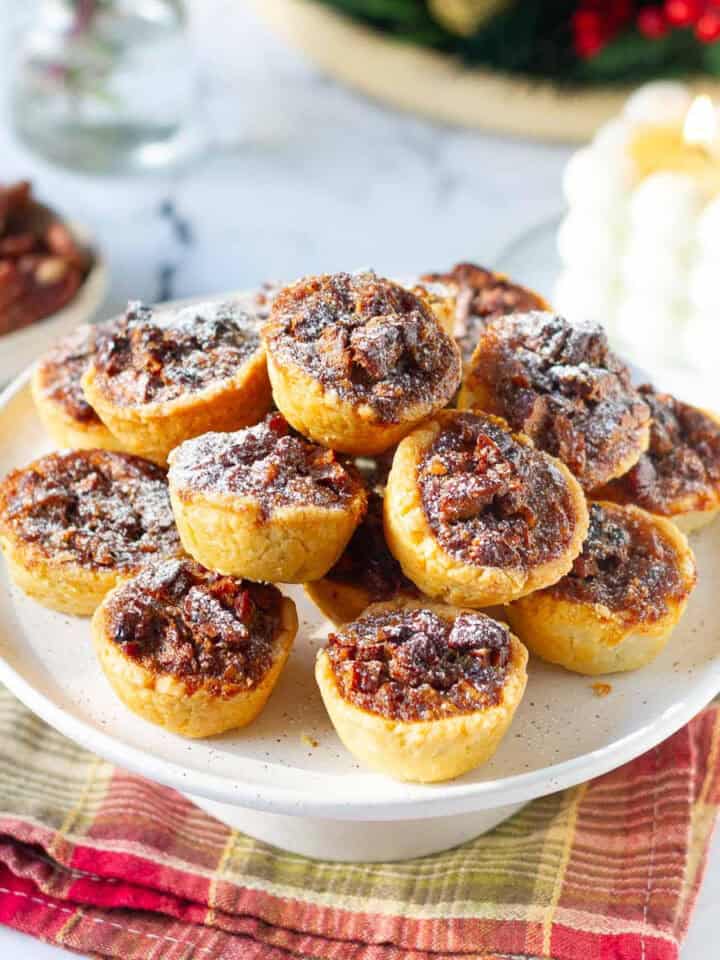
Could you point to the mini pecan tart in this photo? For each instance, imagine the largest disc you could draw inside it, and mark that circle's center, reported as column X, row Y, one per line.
column 159, row 377
column 365, row 573
column 622, row 599
column 59, row 399
column 563, row 387
column 191, row 650
column 264, row 503
column 679, row 476
column 477, row 516
column 356, row 361
column 422, row 691
column 481, row 295
column 72, row 525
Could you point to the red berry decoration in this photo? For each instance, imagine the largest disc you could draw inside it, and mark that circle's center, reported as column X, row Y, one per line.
column 652, row 23
column 596, row 23
column 707, row 29
column 683, row 13
column 588, row 32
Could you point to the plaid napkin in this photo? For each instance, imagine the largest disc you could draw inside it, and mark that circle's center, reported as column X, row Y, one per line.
column 111, row 865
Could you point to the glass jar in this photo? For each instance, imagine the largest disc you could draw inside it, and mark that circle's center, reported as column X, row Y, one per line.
column 107, row 86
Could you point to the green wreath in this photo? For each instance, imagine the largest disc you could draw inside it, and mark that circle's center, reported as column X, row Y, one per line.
column 573, row 42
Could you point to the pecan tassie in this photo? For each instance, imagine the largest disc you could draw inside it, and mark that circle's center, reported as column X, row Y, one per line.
column 412, row 664
column 95, row 508
column 154, row 355
column 367, row 562
column 492, row 501
column 41, row 264
column 179, row 618
column 680, row 471
column 482, row 295
column 564, row 387
column 370, row 340
column 270, row 462
column 61, row 369
column 626, row 565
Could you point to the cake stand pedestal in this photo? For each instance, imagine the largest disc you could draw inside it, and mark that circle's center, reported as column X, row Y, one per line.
column 368, row 841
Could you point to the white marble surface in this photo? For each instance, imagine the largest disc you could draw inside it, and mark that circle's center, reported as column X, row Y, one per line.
column 302, row 176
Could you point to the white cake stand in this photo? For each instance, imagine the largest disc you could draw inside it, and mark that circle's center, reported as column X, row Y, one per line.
column 288, row 780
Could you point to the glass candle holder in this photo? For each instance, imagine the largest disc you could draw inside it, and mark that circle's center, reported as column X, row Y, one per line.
column 107, row 86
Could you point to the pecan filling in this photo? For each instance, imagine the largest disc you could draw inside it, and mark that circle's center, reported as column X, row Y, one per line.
column 61, row 370
column 371, row 341
column 490, row 500
column 148, row 356
column 92, row 507
column 415, row 665
column 682, row 461
column 268, row 462
column 564, row 388
column 367, row 562
column 179, row 618
column 481, row 296
column 626, row 565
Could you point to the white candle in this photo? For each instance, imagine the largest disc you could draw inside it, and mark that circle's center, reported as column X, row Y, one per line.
column 591, row 183
column 580, row 295
column 665, row 207
column 589, row 241
column 657, row 273
column 708, row 232
column 663, row 102
column 640, row 245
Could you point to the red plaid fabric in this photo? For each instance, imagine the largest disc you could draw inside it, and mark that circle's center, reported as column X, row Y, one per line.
column 108, row 864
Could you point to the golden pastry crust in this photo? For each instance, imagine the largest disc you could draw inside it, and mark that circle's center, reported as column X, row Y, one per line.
column 621, row 618
column 425, row 750
column 192, row 704
column 356, row 361
column 214, row 378
column 73, row 525
column 679, row 475
column 264, row 504
column 67, row 587
column 450, row 574
column 562, row 386
column 58, row 396
column 365, row 573
column 691, row 520
column 479, row 295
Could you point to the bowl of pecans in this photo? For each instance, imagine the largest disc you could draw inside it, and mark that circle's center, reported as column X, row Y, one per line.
column 50, row 278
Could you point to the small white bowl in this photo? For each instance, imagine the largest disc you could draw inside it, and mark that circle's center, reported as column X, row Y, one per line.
column 22, row 347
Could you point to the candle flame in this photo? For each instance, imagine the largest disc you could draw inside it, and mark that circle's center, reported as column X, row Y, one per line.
column 701, row 123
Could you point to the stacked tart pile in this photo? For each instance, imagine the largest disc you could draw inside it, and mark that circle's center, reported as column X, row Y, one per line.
column 455, row 474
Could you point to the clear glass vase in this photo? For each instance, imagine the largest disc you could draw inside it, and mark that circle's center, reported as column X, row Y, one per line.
column 107, row 86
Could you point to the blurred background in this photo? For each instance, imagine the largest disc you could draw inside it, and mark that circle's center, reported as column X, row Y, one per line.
column 300, row 175
column 211, row 145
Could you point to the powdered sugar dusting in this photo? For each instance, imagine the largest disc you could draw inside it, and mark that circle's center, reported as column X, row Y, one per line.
column 412, row 664
column 562, row 385
column 91, row 507
column 367, row 339
column 179, row 618
column 267, row 462
column 154, row 355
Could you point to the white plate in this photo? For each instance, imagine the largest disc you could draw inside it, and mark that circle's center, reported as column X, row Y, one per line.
column 22, row 347
column 562, row 734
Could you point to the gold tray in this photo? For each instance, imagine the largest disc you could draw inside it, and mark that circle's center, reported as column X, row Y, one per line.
column 437, row 85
